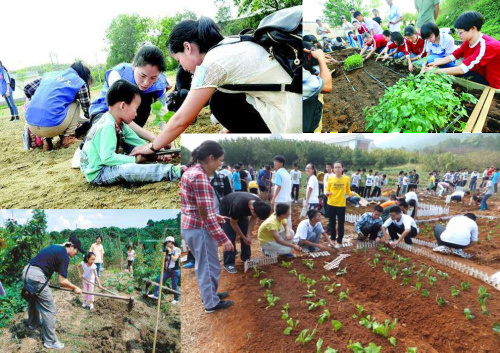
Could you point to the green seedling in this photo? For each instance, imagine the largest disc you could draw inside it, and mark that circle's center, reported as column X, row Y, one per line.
column 360, row 309
column 418, row 285
column 293, row 272
column 271, row 299
column 406, row 281
column 483, row 297
column 314, row 305
column 331, row 288
column 468, row 314
column 291, row 326
column 465, row 286
column 324, row 316
column 419, row 274
column 160, row 117
column 375, row 262
column 496, row 327
column 367, row 322
column 392, row 340
column 454, row 292
column 441, row 301
column 308, row 263
column 411, row 350
column 429, row 271
column 266, row 282
column 406, row 272
column 305, row 337
column 310, row 294
column 353, row 62
column 384, row 329
column 432, row 280
column 310, row 283
column 337, row 325
column 302, row 278
column 383, row 249
column 330, row 350
column 344, row 295
column 443, row 275
column 425, row 293
column 257, row 272
column 286, row 264
column 284, row 312
column 342, row 271
column 358, row 347
column 324, row 279
column 319, row 343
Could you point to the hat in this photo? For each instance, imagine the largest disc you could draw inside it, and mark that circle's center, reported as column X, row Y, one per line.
column 76, row 243
column 169, row 238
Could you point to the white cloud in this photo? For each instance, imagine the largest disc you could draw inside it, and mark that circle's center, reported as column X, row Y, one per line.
column 97, row 215
column 62, row 223
column 82, row 222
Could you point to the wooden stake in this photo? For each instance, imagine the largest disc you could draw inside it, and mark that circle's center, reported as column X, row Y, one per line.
column 159, row 301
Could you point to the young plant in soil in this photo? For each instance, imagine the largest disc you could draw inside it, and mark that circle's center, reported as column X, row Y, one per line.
column 314, row 305
column 465, row 286
column 353, row 62
column 336, row 325
column 411, row 350
column 454, row 291
column 496, row 327
column 257, row 272
column 384, row 329
column 324, row 279
column 425, row 293
column 440, row 301
column 310, row 283
column 324, row 316
column 302, row 278
column 291, row 326
column 271, row 299
column 308, row 263
column 266, row 282
column 358, row 347
column 305, row 337
column 468, row 314
column 483, row 296
column 284, row 312
column 344, row 295
column 418, row 285
column 342, row 272
column 443, row 275
column 293, row 272
column 383, row 249
column 367, row 322
column 421, row 103
column 331, row 288
column 286, row 264
column 432, row 280
column 310, row 294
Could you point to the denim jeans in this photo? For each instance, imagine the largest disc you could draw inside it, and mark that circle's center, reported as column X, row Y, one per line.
column 98, row 269
column 484, row 205
column 360, row 41
column 352, row 42
column 174, row 276
column 354, row 200
column 313, row 237
column 136, row 173
column 11, row 104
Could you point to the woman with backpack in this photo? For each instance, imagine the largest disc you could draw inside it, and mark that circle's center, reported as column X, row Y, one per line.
column 6, row 91
column 55, row 102
column 216, row 63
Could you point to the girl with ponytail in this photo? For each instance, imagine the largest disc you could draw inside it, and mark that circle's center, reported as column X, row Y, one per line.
column 200, row 226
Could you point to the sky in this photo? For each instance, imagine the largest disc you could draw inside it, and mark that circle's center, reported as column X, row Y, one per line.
column 193, row 140
column 32, row 29
column 314, row 8
column 58, row 220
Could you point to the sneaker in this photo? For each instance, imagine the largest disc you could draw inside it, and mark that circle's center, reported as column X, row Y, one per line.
column 36, row 326
column 222, row 295
column 12, row 118
column 289, row 256
column 357, row 206
column 337, row 246
column 305, row 250
column 75, row 161
column 174, row 301
column 91, row 306
column 84, row 305
column 442, row 249
column 55, row 345
column 223, row 304
column 152, row 296
column 461, row 253
column 188, row 265
column 231, row 269
column 17, row 117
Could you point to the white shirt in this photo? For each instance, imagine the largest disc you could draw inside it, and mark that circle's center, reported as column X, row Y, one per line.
column 460, row 230
column 131, row 255
column 373, row 25
column 474, row 175
column 465, row 175
column 283, row 179
column 355, row 178
column 369, row 180
column 393, row 14
column 405, row 181
column 458, row 193
column 485, row 173
column 411, row 196
column 445, row 47
column 88, row 271
column 295, row 175
column 249, row 63
column 325, row 179
column 405, row 220
column 313, row 183
column 304, row 228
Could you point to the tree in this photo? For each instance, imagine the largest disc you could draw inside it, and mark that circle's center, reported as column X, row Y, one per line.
column 125, row 34
column 248, row 7
column 334, row 9
column 223, row 11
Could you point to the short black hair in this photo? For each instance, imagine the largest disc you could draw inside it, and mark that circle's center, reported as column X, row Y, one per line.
column 279, row 158
column 412, row 203
column 392, row 197
column 469, row 19
column 467, row 193
column 351, row 9
column 350, row 32
column 338, row 39
column 429, row 28
column 150, row 55
column 395, row 210
column 471, row 216
column 87, row 256
column 262, row 209
column 310, row 38
column 224, row 166
column 281, row 209
column 378, row 208
column 237, row 166
column 122, row 91
column 98, row 237
column 410, row 31
column 452, row 30
column 356, row 14
column 386, row 33
column 295, row 165
column 312, row 213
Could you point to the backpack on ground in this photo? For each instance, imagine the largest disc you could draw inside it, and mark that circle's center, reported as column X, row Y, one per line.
column 280, row 34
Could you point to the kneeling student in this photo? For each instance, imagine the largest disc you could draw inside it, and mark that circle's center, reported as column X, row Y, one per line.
column 309, row 233
column 369, row 225
column 100, row 161
column 399, row 227
column 459, row 233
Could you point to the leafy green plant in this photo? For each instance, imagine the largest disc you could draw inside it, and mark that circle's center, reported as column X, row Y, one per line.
column 432, row 280
column 353, row 62
column 257, row 272
column 266, row 282
column 441, row 301
column 310, row 283
column 358, row 347
column 496, row 327
column 337, row 325
column 483, row 297
column 443, row 275
column 465, row 286
column 392, row 340
column 468, row 314
column 308, row 263
column 411, row 350
column 302, row 278
column 454, row 291
column 331, row 288
column 284, row 312
column 324, row 316
column 384, row 329
column 406, row 281
column 360, row 309
column 319, row 343
column 160, row 116
column 324, row 279
column 420, row 103
column 286, row 264
column 425, row 293
column 367, row 322
column 330, row 350
column 310, row 294
column 271, row 299
column 305, row 337
column 342, row 271
column 291, row 326
column 383, row 249
column 293, row 272
column 314, row 305
column 418, row 285
column 344, row 295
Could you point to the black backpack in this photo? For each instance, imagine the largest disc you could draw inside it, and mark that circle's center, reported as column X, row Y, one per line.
column 12, row 84
column 280, row 34
column 312, row 110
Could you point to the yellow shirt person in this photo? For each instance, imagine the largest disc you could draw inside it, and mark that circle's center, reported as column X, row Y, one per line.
column 338, row 187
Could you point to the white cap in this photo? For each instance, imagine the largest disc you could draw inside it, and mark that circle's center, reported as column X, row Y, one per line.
column 169, row 238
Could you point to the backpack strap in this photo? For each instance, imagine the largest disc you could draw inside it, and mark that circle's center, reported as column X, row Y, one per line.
column 41, row 289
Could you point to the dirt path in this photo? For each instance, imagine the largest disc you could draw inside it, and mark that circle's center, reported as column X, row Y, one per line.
column 249, row 327
column 111, row 327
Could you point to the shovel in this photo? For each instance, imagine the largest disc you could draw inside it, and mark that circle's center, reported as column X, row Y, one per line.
column 163, row 287
column 104, row 289
column 129, row 299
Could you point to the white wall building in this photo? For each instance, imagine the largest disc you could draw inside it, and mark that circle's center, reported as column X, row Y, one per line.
column 352, row 141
